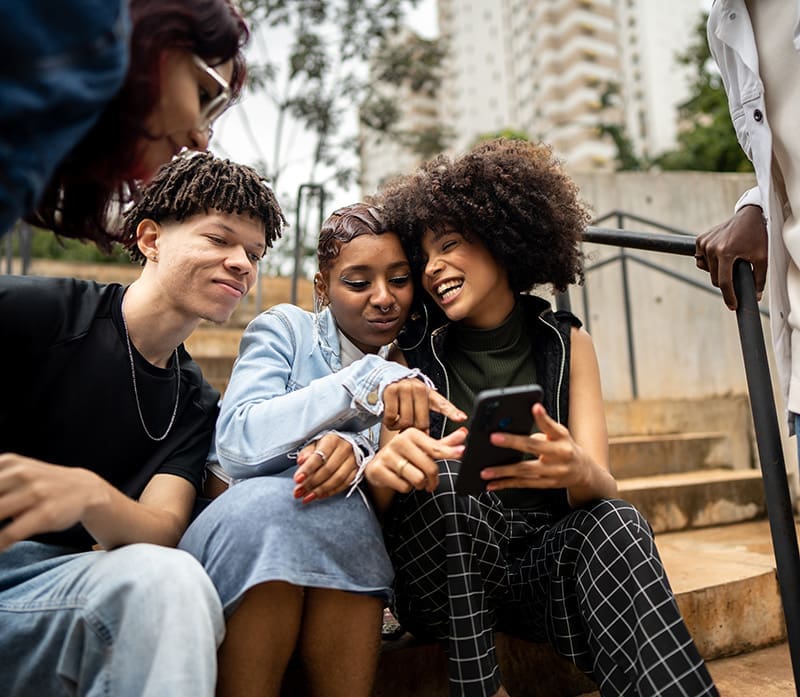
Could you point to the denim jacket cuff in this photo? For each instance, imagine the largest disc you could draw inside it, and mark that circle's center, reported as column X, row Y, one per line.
column 367, row 394
column 363, row 451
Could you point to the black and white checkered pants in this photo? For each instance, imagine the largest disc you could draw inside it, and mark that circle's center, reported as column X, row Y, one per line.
column 590, row 583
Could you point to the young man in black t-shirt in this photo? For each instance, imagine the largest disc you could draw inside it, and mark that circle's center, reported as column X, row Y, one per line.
column 105, row 424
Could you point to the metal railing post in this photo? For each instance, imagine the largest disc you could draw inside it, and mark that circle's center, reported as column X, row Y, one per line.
column 300, row 229
column 25, row 247
column 770, row 455
column 626, row 300
column 9, row 251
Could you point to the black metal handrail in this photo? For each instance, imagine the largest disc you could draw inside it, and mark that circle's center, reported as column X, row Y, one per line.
column 765, row 420
column 319, row 191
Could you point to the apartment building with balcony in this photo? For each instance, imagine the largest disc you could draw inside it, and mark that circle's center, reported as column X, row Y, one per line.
column 544, row 66
column 548, row 68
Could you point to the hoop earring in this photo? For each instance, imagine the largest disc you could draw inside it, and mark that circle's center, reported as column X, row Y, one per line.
column 422, row 334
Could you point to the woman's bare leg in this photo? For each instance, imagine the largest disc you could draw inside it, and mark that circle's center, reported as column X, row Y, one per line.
column 260, row 638
column 340, row 641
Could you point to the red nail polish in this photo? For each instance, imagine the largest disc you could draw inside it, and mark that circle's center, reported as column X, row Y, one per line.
column 300, row 477
column 299, row 492
column 310, row 497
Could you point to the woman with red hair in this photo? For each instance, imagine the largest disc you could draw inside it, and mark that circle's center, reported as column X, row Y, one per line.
column 95, row 96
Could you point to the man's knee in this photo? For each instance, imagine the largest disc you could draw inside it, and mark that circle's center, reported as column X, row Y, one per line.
column 160, row 586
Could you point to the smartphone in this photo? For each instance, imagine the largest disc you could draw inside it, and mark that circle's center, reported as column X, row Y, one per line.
column 508, row 409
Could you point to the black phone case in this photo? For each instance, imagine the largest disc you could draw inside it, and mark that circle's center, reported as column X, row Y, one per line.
column 505, row 409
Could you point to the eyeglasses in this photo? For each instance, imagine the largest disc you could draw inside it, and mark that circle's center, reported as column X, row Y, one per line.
column 210, row 111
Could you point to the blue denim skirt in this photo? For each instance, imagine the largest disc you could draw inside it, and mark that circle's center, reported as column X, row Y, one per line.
column 257, row 532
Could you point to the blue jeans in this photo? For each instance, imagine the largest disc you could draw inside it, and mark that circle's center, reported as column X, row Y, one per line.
column 60, row 64
column 141, row 620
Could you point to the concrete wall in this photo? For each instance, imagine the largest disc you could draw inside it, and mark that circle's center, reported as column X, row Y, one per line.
column 686, row 341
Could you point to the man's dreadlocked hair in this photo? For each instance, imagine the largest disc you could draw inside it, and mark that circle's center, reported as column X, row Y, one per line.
column 511, row 195
column 198, row 183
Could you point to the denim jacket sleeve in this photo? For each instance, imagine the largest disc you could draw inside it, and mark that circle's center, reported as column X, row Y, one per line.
column 282, row 392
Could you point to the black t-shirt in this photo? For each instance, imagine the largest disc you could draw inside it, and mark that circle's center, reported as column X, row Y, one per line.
column 67, row 395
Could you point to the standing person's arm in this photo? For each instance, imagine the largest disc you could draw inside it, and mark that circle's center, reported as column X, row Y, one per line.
column 743, row 236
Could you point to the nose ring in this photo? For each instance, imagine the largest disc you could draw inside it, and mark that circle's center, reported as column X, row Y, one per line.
column 386, row 309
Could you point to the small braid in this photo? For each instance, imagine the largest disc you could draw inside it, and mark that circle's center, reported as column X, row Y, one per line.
column 197, row 183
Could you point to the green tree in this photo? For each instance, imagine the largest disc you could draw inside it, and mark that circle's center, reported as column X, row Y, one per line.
column 45, row 245
column 344, row 60
column 706, row 140
column 324, row 75
column 405, row 65
column 510, row 133
column 626, row 158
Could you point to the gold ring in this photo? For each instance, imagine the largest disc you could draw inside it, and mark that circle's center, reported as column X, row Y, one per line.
column 322, row 456
column 401, row 465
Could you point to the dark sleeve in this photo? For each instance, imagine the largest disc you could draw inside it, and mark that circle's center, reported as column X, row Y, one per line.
column 36, row 312
column 31, row 314
column 566, row 317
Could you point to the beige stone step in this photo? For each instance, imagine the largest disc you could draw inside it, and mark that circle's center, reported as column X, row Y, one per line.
column 696, row 499
column 725, row 584
column 645, row 455
column 765, row 672
column 216, row 369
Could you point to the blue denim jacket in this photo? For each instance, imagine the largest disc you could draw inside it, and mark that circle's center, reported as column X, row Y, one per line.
column 288, row 387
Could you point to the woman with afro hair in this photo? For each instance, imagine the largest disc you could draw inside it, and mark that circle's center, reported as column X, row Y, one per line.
column 546, row 552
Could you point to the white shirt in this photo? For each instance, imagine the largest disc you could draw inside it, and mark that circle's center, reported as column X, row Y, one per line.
column 735, row 46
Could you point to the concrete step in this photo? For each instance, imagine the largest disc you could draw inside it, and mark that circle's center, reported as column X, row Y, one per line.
column 696, row 499
column 725, row 584
column 763, row 673
column 724, row 581
column 646, row 455
column 729, row 414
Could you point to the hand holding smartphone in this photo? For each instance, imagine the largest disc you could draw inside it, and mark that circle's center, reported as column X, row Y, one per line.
column 507, row 409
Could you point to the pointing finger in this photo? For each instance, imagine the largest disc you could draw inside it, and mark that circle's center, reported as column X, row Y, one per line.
column 438, row 403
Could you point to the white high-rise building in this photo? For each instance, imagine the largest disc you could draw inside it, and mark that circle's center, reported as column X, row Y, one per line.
column 543, row 67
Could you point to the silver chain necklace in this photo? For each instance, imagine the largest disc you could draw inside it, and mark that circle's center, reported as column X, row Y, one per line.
column 136, row 389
